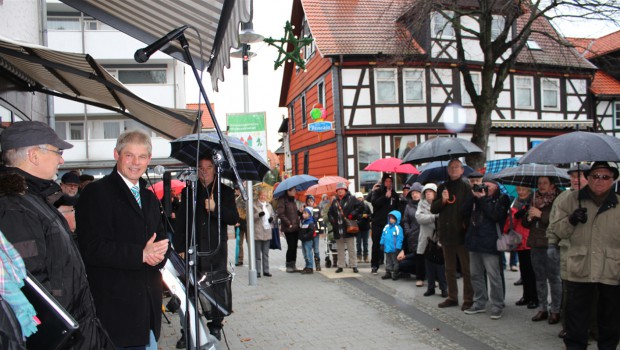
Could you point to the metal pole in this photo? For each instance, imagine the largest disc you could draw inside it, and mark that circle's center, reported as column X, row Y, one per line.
column 252, row 275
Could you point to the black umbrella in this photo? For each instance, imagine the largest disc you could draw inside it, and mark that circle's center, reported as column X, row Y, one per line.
column 527, row 175
column 250, row 164
column 440, row 148
column 578, row 146
column 435, row 172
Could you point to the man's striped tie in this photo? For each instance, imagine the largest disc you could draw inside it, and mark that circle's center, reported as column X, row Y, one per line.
column 136, row 193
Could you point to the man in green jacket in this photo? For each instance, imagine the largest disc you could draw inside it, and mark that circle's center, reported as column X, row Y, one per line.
column 589, row 220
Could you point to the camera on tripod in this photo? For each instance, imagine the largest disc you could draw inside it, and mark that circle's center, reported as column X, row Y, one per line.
column 480, row 188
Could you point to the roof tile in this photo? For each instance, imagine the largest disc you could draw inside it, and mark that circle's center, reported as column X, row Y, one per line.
column 370, row 27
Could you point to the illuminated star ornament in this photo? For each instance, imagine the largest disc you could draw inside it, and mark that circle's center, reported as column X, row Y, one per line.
column 289, row 38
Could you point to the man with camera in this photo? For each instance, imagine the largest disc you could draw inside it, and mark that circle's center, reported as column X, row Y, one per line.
column 488, row 216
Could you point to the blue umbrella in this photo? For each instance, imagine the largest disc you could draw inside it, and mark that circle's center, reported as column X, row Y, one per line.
column 435, row 172
column 300, row 182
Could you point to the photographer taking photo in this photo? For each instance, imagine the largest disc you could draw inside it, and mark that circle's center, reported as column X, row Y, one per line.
column 488, row 216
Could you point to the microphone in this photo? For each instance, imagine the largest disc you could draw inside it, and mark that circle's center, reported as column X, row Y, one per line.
column 160, row 169
column 143, row 55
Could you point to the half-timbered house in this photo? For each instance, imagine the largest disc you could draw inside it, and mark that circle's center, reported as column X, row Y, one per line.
column 604, row 52
column 386, row 89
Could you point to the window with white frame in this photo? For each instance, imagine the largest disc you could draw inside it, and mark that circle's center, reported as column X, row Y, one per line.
column 139, row 76
column 368, row 150
column 497, row 26
column 617, row 114
column 93, row 24
column 63, row 23
column 292, row 116
column 475, row 78
column 61, row 129
column 441, row 26
column 414, row 84
column 320, row 92
column 550, row 93
column 524, row 88
column 308, row 50
column 304, row 121
column 386, row 85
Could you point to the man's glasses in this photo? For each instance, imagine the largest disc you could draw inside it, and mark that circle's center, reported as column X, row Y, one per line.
column 58, row 152
column 601, row 177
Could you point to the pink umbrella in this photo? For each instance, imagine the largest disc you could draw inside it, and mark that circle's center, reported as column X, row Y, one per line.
column 175, row 187
column 327, row 184
column 391, row 165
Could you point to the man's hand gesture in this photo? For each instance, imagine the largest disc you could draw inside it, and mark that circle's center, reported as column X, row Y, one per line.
column 154, row 252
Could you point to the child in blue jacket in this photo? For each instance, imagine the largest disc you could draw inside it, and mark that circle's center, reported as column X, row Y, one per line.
column 307, row 232
column 392, row 242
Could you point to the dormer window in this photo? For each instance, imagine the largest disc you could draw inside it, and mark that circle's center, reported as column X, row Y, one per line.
column 533, row 45
column 441, row 26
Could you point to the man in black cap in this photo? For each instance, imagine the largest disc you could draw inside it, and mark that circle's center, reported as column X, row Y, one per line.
column 70, row 184
column 475, row 178
column 589, row 219
column 32, row 150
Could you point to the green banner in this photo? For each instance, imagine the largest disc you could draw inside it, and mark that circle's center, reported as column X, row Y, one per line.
column 250, row 129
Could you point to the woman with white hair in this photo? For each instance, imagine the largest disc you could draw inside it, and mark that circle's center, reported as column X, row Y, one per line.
column 427, row 221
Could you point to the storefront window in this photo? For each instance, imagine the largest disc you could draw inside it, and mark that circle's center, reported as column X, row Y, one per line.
column 368, row 150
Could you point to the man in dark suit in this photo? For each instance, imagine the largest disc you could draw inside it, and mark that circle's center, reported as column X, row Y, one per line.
column 211, row 238
column 123, row 244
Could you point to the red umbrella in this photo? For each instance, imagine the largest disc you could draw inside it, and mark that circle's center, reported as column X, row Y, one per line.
column 175, row 187
column 391, row 165
column 327, row 184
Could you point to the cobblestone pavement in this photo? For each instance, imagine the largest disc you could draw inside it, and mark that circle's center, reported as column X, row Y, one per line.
column 326, row 310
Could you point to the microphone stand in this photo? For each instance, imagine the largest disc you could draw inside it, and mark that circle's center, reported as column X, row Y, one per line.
column 192, row 254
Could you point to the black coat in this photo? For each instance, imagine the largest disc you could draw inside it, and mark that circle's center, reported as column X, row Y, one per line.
column 112, row 232
column 488, row 212
column 42, row 237
column 206, row 225
column 381, row 206
column 351, row 208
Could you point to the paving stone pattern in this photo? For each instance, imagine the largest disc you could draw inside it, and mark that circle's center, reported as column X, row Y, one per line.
column 326, row 310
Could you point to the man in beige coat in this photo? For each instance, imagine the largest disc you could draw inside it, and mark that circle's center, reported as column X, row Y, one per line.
column 589, row 220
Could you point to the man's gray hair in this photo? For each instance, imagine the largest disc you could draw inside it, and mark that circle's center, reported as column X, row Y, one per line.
column 135, row 137
column 13, row 157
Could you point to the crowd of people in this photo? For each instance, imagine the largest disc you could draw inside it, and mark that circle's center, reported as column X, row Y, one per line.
column 98, row 247
column 565, row 257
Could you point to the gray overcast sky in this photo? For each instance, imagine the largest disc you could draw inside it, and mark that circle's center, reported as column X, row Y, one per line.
column 264, row 82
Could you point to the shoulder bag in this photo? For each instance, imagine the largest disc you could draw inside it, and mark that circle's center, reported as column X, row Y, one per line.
column 433, row 251
column 511, row 240
column 351, row 225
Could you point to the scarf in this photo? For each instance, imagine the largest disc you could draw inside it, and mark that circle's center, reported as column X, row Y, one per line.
column 265, row 218
column 542, row 200
column 12, row 274
column 522, row 202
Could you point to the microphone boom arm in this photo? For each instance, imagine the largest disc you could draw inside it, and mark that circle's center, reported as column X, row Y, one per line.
column 225, row 146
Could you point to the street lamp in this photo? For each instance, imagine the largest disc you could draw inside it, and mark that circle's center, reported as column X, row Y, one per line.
column 246, row 37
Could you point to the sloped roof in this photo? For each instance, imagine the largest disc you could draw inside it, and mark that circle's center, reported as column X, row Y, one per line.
column 358, row 27
column 369, row 27
column 592, row 48
column 552, row 53
column 605, row 84
column 205, row 117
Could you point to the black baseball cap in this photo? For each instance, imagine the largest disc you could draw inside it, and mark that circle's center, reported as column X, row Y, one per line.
column 70, row 178
column 31, row 133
